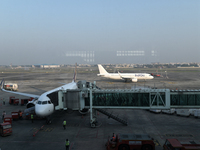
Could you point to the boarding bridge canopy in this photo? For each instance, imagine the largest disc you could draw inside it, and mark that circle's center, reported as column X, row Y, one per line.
column 129, row 99
column 89, row 96
column 185, row 99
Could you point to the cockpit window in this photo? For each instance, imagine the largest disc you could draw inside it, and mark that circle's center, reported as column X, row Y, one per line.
column 39, row 102
column 49, row 102
column 44, row 102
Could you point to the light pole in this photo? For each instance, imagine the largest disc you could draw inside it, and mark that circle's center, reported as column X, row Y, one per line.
column 166, row 74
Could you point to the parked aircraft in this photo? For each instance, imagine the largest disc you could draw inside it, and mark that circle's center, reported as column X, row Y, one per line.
column 134, row 77
column 43, row 103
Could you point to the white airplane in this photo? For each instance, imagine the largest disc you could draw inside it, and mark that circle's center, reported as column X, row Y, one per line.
column 44, row 106
column 134, row 77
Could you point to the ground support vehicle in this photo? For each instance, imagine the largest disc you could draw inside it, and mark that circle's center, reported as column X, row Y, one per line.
column 15, row 115
column 7, row 118
column 197, row 114
column 183, row 112
column 157, row 111
column 5, row 129
column 13, row 100
column 130, row 142
column 24, row 101
column 11, row 86
column 169, row 111
column 16, row 101
column 174, row 144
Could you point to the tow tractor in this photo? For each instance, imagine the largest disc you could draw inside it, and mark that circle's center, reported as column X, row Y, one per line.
column 174, row 144
column 130, row 142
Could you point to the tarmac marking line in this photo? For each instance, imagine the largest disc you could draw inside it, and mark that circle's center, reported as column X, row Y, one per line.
column 33, row 129
column 47, row 129
column 80, row 129
column 179, row 135
column 71, row 146
column 156, row 143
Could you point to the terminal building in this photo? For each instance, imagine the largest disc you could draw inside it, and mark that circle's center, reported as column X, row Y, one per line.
column 46, row 66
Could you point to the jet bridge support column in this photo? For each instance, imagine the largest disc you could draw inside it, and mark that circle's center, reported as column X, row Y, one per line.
column 92, row 119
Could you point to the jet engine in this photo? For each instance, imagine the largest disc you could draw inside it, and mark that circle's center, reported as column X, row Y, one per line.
column 134, row 80
column 31, row 103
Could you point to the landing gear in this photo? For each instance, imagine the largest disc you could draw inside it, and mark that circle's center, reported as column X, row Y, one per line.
column 48, row 120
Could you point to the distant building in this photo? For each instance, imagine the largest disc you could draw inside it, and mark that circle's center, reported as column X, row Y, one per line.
column 46, row 66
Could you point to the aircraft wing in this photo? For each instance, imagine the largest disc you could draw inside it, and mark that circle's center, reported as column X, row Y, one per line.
column 39, row 90
column 128, row 78
column 23, row 94
column 18, row 93
column 123, row 77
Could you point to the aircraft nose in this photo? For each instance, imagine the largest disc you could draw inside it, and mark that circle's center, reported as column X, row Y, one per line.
column 39, row 111
column 42, row 110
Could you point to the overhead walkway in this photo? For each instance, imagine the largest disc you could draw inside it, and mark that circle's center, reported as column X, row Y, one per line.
column 136, row 98
column 144, row 99
column 185, row 99
column 88, row 96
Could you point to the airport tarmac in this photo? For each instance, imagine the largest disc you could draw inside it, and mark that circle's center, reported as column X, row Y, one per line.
column 78, row 131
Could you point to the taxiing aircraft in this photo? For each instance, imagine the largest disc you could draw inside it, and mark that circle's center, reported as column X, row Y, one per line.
column 134, row 77
column 43, row 103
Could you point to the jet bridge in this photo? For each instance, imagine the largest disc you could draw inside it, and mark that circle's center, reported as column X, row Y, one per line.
column 89, row 96
column 185, row 99
column 136, row 98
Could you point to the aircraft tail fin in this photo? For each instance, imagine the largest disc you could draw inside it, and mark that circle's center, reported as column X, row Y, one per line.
column 102, row 70
column 2, row 84
column 75, row 73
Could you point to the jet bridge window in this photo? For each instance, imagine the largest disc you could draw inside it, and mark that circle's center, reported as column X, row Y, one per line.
column 44, row 102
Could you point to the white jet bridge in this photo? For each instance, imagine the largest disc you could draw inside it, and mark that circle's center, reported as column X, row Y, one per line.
column 89, row 96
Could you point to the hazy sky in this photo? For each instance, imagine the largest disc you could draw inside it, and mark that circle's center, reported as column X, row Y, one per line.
column 42, row 31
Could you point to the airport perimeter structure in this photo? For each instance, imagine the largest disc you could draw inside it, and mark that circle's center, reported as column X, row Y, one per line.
column 89, row 96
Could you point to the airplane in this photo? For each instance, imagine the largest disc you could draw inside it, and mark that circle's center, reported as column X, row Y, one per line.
column 134, row 77
column 44, row 106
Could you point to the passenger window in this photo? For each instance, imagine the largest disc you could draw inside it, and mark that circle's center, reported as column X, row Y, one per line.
column 39, row 102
